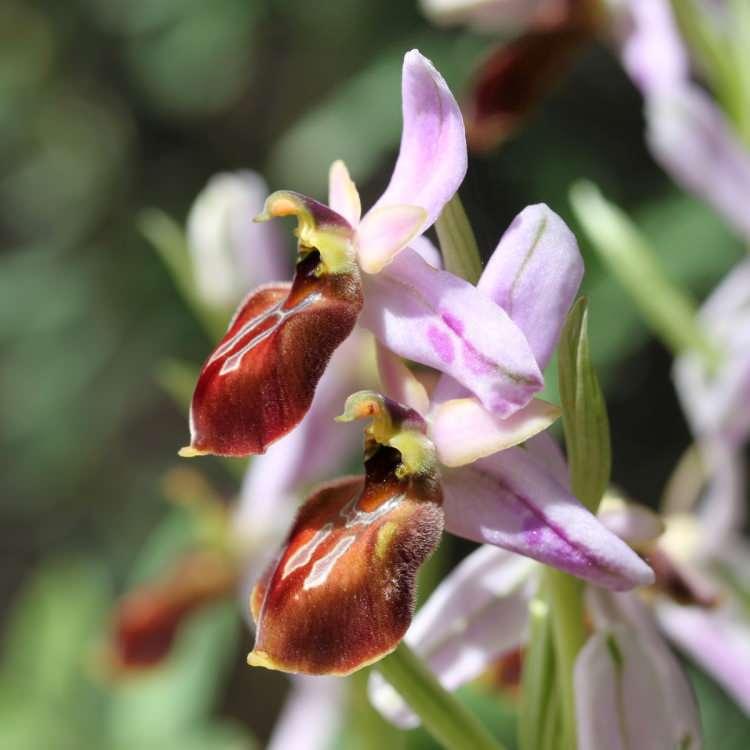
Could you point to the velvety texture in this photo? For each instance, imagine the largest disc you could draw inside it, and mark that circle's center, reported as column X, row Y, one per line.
column 260, row 380
column 341, row 593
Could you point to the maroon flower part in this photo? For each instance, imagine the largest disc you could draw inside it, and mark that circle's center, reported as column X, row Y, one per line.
column 517, row 76
column 341, row 593
column 148, row 618
column 260, row 380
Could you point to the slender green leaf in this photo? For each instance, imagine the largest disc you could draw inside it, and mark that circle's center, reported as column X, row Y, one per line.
column 457, row 242
column 584, row 412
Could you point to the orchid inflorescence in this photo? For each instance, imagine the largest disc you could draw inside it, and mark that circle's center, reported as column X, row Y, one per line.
column 445, row 374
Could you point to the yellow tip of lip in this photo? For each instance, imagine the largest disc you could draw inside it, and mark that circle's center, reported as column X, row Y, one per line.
column 260, row 659
column 189, row 452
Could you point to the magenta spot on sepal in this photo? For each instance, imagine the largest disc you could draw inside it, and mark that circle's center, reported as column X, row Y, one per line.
column 441, row 343
column 456, row 325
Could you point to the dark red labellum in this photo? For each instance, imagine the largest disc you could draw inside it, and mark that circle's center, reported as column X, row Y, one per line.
column 260, row 380
column 341, row 594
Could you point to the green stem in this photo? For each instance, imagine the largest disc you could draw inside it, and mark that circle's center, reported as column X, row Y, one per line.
column 442, row 715
column 569, row 633
column 457, row 242
column 538, row 678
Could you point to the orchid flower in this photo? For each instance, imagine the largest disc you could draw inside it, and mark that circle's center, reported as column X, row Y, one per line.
column 230, row 254
column 630, row 689
column 717, row 404
column 507, row 498
column 340, row 595
column 308, row 605
column 540, row 41
column 259, row 382
column 702, row 569
column 689, row 135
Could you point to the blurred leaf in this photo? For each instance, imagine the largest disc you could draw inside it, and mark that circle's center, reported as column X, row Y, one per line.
column 80, row 138
column 46, row 698
column 584, row 411
column 51, row 628
column 178, row 379
column 694, row 247
column 199, row 62
column 213, row 736
column 725, row 726
column 667, row 309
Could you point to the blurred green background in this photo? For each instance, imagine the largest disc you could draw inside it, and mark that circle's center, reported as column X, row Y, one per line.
column 110, row 107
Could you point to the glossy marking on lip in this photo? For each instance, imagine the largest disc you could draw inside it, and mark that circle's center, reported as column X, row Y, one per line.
column 277, row 313
column 352, row 517
column 341, row 593
column 322, row 568
column 260, row 380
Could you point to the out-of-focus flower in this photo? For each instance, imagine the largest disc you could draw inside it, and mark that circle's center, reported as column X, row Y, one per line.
column 259, row 382
column 630, row 689
column 230, row 253
column 495, row 16
column 717, row 402
column 148, row 618
column 517, row 74
column 311, row 714
column 689, row 135
column 702, row 601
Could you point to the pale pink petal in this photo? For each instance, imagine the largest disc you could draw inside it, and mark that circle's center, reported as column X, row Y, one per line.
column 231, row 254
column 429, row 253
column 432, row 159
column 651, row 48
column 463, row 430
column 718, row 640
column 311, row 715
column 633, row 523
column 547, row 452
column 717, row 404
column 677, row 700
column 489, row 16
column 621, row 700
column 343, row 196
column 385, row 232
column 475, row 616
column 399, row 383
column 435, row 318
column 510, row 500
column 534, row 275
column 723, row 509
column 690, row 137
